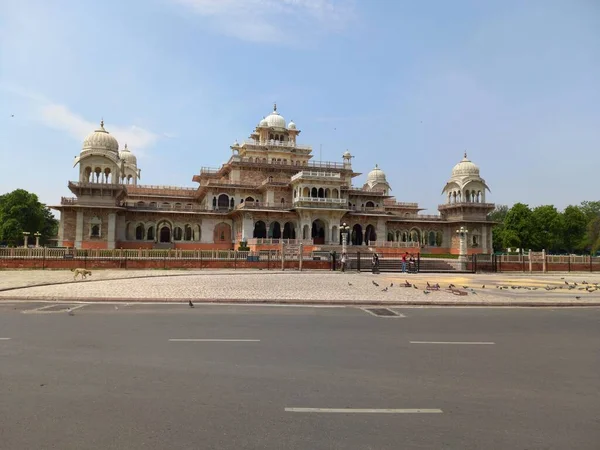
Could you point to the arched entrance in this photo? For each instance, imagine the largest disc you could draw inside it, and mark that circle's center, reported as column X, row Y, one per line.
column 370, row 235
column 275, row 230
column 318, row 232
column 222, row 233
column 357, row 235
column 288, row 231
column 165, row 234
column 260, row 230
column 223, row 202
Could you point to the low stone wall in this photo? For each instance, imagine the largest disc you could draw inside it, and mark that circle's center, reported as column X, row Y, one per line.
column 158, row 264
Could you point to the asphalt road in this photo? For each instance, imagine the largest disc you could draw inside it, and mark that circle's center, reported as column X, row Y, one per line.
column 110, row 378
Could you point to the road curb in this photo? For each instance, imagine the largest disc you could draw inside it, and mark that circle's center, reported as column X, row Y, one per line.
column 302, row 302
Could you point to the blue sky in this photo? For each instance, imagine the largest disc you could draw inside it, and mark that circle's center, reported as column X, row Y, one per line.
column 408, row 85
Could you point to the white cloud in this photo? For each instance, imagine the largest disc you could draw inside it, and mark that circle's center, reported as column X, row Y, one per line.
column 272, row 20
column 61, row 118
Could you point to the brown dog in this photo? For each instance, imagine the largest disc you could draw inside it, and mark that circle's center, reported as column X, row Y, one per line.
column 83, row 272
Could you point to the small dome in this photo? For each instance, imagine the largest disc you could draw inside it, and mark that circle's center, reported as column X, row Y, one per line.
column 127, row 156
column 291, row 125
column 465, row 167
column 263, row 123
column 347, row 155
column 235, row 143
column 376, row 176
column 101, row 139
column 275, row 119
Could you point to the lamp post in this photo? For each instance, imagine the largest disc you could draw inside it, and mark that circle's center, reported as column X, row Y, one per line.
column 462, row 240
column 25, row 238
column 37, row 235
column 344, row 229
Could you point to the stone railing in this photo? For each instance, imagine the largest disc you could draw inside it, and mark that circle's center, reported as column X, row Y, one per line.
column 68, row 200
column 395, row 244
column 274, row 241
column 367, row 209
column 393, row 204
column 274, row 143
column 176, row 208
column 315, row 174
column 261, row 205
column 471, row 204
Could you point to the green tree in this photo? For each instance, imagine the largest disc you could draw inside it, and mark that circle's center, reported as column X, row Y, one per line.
column 22, row 211
column 518, row 226
column 546, row 228
column 574, row 229
column 593, row 235
column 498, row 231
column 591, row 210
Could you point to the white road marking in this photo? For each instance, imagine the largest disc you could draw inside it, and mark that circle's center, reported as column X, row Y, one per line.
column 5, row 339
column 214, row 340
column 396, row 315
column 452, row 343
column 364, row 411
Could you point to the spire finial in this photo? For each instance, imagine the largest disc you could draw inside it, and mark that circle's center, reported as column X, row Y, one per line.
column 275, row 106
column 102, row 122
column 125, row 145
column 465, row 154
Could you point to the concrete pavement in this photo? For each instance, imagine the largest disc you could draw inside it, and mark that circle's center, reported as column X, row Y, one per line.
column 301, row 287
column 110, row 378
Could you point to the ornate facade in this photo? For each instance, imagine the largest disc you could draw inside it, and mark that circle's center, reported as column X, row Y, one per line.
column 268, row 190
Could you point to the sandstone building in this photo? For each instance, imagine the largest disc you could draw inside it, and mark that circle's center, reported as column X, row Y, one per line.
column 270, row 189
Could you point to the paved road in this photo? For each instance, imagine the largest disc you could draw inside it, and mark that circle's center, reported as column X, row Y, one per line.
column 110, row 378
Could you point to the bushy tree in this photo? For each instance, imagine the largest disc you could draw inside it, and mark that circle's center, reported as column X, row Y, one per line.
column 546, row 228
column 498, row 231
column 518, row 226
column 22, row 211
column 574, row 229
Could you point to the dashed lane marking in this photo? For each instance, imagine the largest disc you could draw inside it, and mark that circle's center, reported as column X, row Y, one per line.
column 214, row 340
column 364, row 411
column 452, row 343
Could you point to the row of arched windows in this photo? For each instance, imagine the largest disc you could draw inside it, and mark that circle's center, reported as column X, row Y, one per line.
column 316, row 192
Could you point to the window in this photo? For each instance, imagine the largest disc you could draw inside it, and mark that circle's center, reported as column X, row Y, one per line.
column 95, row 231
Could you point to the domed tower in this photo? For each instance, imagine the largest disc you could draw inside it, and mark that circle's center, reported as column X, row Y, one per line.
column 128, row 167
column 273, row 129
column 465, row 184
column 99, row 158
column 466, row 208
column 377, row 181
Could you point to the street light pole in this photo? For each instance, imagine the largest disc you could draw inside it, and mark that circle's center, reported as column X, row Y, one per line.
column 462, row 244
column 344, row 229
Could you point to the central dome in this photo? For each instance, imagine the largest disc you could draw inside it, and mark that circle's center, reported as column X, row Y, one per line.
column 100, row 139
column 465, row 167
column 275, row 119
column 376, row 175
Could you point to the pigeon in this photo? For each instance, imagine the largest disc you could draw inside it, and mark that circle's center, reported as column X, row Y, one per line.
column 70, row 312
column 465, row 287
column 415, row 286
column 577, row 297
column 483, row 287
column 190, row 303
column 349, row 284
column 425, row 292
column 384, row 290
column 584, row 282
column 473, row 292
column 566, row 282
column 374, row 283
column 392, row 285
column 428, row 284
column 451, row 286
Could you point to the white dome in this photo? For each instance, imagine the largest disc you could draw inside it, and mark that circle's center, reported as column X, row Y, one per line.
column 291, row 125
column 347, row 154
column 263, row 123
column 376, row 176
column 127, row 156
column 465, row 167
column 101, row 140
column 275, row 119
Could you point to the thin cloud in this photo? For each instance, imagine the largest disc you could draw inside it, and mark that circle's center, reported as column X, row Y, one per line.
column 61, row 118
column 274, row 21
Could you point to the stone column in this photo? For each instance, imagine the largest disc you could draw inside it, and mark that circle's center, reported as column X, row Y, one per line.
column 61, row 229
column 247, row 228
column 484, row 239
column 78, row 229
column 111, row 232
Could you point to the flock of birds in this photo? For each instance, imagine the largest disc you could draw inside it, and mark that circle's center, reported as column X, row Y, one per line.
column 452, row 288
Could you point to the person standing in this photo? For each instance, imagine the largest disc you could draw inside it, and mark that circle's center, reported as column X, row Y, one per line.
column 375, row 263
column 343, row 261
column 404, row 261
column 412, row 266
